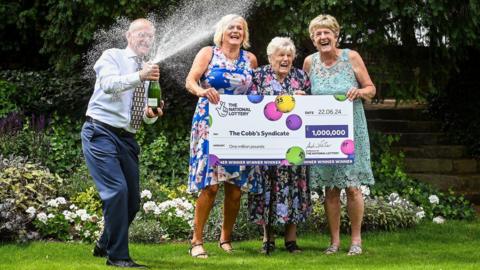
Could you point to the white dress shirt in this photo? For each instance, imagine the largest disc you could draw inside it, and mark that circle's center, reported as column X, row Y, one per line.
column 117, row 77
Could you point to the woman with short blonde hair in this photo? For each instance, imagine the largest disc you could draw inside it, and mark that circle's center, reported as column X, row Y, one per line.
column 223, row 25
column 335, row 71
column 222, row 69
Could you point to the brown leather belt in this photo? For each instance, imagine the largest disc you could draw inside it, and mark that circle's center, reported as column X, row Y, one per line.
column 119, row 131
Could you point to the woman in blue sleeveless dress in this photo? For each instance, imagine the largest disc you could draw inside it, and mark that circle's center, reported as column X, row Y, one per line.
column 221, row 69
column 341, row 71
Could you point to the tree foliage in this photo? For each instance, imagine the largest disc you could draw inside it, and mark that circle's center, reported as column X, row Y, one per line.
column 409, row 46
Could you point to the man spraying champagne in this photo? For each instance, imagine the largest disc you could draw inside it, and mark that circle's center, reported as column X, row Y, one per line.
column 115, row 112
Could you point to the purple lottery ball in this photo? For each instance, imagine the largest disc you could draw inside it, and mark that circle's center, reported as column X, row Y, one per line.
column 213, row 160
column 255, row 98
column 347, row 147
column 271, row 112
column 294, row 122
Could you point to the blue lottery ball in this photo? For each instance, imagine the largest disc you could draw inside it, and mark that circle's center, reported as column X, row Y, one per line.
column 255, row 98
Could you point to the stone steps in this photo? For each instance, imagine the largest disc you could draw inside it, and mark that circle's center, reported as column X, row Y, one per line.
column 433, row 151
column 465, row 184
column 429, row 154
column 407, row 126
column 420, row 138
column 442, row 165
column 398, row 114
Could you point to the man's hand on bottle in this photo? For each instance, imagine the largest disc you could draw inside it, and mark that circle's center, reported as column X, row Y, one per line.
column 154, row 113
column 150, row 72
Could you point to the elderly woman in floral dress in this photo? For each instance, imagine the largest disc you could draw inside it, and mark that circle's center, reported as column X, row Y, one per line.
column 291, row 194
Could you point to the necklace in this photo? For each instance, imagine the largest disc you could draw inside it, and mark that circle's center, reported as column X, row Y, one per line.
column 324, row 63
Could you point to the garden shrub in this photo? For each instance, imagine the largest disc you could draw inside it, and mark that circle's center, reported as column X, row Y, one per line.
column 22, row 185
column 381, row 214
column 65, row 153
column 77, row 182
column 46, row 92
column 390, row 177
column 88, row 200
column 61, row 220
column 54, row 143
column 7, row 103
column 165, row 159
column 170, row 219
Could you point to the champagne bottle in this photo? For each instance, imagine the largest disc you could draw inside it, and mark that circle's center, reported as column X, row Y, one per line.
column 154, row 95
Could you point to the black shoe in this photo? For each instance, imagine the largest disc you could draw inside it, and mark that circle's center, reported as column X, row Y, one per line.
column 129, row 263
column 270, row 245
column 292, row 247
column 99, row 251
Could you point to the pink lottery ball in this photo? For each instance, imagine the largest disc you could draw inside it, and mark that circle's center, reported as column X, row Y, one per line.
column 347, row 147
column 271, row 112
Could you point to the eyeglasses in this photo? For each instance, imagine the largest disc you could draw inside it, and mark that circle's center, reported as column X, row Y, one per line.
column 144, row 35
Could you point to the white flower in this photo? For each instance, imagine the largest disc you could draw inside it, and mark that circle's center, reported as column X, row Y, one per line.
column 420, row 214
column 157, row 211
column 31, row 211
column 149, row 206
column 82, row 213
column 393, row 197
column 42, row 217
column 314, row 195
column 365, row 190
column 146, row 193
column 50, row 215
column 52, row 203
column 73, row 207
column 433, row 199
column 86, row 234
column 439, row 220
column 96, row 234
column 32, row 235
column 69, row 215
column 61, row 200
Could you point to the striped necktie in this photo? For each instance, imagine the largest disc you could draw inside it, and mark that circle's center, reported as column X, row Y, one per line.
column 138, row 104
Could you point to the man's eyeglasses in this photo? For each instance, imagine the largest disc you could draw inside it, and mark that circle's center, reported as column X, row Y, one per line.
column 144, row 35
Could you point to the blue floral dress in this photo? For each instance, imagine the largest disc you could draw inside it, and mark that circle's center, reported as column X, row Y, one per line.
column 291, row 201
column 338, row 79
column 231, row 78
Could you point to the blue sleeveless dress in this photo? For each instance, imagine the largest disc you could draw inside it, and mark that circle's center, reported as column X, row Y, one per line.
column 230, row 78
column 338, row 79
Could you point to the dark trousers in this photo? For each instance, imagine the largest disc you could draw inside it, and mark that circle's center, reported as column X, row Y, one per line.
column 113, row 163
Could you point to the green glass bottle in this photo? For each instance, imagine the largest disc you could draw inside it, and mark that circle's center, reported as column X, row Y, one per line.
column 154, row 95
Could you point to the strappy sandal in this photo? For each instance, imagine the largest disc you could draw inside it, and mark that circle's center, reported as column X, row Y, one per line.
column 332, row 249
column 292, row 247
column 270, row 245
column 227, row 250
column 355, row 249
column 201, row 255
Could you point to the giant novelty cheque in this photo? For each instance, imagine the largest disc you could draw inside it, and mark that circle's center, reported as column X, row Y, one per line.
column 281, row 130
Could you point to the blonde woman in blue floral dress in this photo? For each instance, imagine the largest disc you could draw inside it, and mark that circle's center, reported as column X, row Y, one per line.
column 221, row 69
column 341, row 71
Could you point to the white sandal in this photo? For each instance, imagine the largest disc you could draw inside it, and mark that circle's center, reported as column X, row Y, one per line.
column 355, row 249
column 332, row 249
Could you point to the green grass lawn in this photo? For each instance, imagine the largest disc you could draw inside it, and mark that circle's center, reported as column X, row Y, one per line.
column 453, row 245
